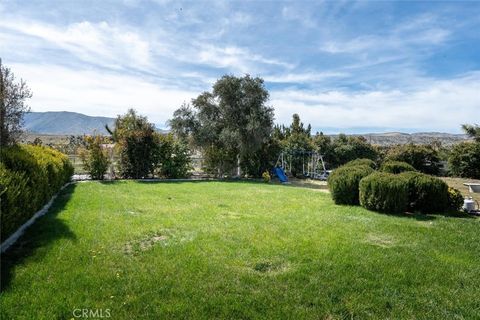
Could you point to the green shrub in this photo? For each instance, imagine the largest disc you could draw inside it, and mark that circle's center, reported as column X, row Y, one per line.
column 384, row 192
column 94, row 158
column 266, row 177
column 343, row 183
column 29, row 176
column 396, row 167
column 361, row 162
column 455, row 199
column 426, row 194
column 464, row 160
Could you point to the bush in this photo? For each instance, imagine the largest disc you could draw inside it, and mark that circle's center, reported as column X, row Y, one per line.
column 361, row 162
column 455, row 199
column 426, row 194
column 266, row 177
column 396, row 167
column 384, row 192
column 422, row 157
column 94, row 158
column 464, row 160
column 173, row 157
column 29, row 176
column 343, row 183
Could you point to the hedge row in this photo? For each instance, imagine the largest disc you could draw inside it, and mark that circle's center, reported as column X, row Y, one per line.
column 343, row 183
column 29, row 177
column 395, row 189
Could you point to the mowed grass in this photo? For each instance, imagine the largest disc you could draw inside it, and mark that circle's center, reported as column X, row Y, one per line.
column 237, row 250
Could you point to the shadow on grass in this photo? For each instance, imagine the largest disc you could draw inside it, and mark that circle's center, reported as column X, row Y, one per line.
column 430, row 216
column 41, row 234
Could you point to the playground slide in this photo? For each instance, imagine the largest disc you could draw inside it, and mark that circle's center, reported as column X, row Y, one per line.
column 280, row 174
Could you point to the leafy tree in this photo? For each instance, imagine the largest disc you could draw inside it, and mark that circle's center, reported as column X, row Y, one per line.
column 136, row 141
column 230, row 124
column 12, row 106
column 473, row 131
column 424, row 158
column 94, row 158
column 464, row 160
column 345, row 149
column 297, row 143
column 174, row 157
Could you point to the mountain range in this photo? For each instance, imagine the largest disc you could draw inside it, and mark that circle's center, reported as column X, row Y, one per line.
column 73, row 123
column 65, row 123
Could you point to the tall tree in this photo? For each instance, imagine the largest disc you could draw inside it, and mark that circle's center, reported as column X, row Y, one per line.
column 12, row 106
column 230, row 124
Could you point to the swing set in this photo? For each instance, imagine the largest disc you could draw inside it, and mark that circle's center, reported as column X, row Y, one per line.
column 313, row 166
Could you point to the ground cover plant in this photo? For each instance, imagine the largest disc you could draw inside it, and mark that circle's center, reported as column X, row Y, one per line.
column 237, row 250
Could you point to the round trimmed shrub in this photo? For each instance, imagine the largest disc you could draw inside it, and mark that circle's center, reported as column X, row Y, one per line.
column 426, row 194
column 396, row 167
column 343, row 183
column 455, row 199
column 361, row 162
column 384, row 192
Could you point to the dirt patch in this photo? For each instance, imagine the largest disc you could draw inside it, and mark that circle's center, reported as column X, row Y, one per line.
column 163, row 238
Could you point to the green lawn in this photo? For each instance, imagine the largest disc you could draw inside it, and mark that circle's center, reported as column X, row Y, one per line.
column 238, row 251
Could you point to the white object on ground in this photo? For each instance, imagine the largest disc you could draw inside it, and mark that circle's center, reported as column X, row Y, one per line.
column 473, row 187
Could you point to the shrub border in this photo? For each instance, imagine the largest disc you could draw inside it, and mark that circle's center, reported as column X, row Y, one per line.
column 19, row 232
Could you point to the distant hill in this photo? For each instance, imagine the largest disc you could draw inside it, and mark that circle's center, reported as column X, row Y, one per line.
column 65, row 123
column 72, row 123
column 391, row 138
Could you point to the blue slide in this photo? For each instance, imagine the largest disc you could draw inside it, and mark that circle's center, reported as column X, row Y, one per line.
column 281, row 175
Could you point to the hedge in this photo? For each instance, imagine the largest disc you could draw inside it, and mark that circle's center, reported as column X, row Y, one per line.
column 343, row 183
column 384, row 192
column 29, row 177
column 361, row 162
column 427, row 194
column 396, row 167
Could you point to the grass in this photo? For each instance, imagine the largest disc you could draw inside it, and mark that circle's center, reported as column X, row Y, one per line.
column 238, row 251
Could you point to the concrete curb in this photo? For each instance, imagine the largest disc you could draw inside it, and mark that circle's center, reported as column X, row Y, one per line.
column 17, row 234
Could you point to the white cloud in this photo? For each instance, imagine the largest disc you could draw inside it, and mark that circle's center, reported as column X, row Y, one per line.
column 98, row 43
column 437, row 105
column 97, row 93
column 304, row 77
column 235, row 58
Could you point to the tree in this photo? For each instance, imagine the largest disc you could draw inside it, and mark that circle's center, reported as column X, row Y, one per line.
column 473, row 131
column 297, row 143
column 464, row 160
column 136, row 141
column 345, row 149
column 94, row 158
column 174, row 157
column 12, row 106
column 230, row 124
column 422, row 157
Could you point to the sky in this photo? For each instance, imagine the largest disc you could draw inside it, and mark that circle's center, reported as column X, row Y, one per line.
column 343, row 66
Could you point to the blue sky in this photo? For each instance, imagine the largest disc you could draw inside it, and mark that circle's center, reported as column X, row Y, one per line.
column 343, row 66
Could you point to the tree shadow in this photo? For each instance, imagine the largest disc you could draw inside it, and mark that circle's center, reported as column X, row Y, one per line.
column 41, row 234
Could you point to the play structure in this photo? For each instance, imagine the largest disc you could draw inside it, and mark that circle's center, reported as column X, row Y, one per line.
column 313, row 166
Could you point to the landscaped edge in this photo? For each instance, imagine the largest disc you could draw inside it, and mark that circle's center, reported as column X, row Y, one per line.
column 17, row 234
